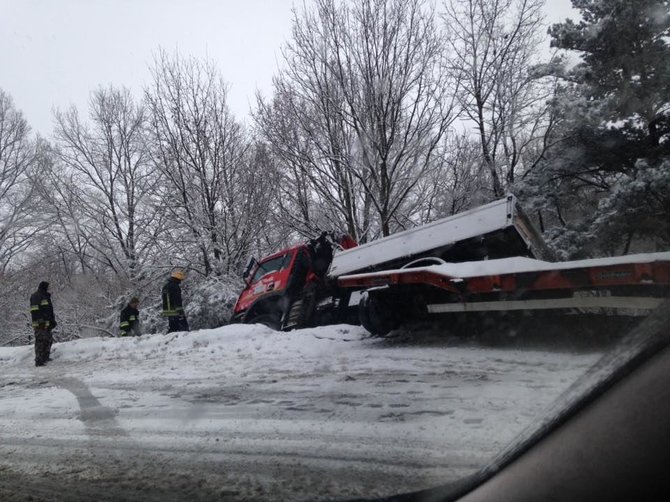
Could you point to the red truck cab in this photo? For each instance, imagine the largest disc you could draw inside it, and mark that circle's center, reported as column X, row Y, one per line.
column 268, row 282
column 281, row 289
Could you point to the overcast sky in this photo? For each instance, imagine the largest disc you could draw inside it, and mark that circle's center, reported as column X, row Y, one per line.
column 53, row 53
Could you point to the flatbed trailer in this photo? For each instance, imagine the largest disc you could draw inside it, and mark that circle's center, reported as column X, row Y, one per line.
column 628, row 285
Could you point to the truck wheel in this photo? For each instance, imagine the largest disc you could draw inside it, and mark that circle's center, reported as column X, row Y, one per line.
column 376, row 315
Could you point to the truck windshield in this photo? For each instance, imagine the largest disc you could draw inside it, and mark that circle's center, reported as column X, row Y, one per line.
column 272, row 265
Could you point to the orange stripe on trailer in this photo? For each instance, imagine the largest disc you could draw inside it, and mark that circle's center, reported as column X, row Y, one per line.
column 661, row 272
column 633, row 274
column 488, row 283
column 630, row 274
column 396, row 278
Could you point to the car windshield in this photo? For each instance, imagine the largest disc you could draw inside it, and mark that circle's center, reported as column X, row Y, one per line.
column 272, row 265
column 473, row 198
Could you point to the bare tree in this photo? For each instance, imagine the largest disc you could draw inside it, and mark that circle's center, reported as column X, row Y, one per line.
column 17, row 157
column 211, row 192
column 17, row 223
column 389, row 64
column 360, row 108
column 101, row 183
column 313, row 146
column 460, row 183
column 493, row 54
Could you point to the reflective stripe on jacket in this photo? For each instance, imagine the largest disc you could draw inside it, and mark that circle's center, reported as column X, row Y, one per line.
column 41, row 310
column 130, row 318
column 171, row 296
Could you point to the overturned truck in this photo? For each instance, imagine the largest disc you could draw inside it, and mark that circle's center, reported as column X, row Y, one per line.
column 488, row 259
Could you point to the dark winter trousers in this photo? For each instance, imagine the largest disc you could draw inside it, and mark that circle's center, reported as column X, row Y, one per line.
column 177, row 323
column 43, row 340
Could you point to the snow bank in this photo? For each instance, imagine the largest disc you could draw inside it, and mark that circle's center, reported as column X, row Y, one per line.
column 194, row 345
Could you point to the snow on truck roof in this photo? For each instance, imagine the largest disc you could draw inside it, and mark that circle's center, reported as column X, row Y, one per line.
column 519, row 264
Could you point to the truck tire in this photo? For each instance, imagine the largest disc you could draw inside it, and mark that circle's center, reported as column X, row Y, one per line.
column 376, row 314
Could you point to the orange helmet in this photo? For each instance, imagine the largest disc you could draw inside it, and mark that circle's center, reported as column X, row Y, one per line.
column 178, row 274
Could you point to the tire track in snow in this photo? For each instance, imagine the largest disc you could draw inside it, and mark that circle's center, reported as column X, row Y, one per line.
column 99, row 420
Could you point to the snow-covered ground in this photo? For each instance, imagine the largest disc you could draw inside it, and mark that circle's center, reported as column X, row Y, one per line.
column 245, row 413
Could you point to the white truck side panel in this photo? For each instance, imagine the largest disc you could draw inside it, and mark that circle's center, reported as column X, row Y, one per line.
column 484, row 219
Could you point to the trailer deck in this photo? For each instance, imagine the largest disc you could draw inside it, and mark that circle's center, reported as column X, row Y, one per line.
column 636, row 282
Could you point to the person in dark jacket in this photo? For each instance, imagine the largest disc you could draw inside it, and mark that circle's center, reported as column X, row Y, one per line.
column 130, row 319
column 321, row 250
column 173, row 308
column 44, row 321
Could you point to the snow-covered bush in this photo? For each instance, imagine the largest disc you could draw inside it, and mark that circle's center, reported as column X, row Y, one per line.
column 209, row 303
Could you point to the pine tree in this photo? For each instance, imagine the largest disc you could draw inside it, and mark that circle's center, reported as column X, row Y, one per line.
column 625, row 67
column 610, row 178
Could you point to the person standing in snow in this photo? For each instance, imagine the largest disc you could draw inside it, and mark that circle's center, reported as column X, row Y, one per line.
column 173, row 308
column 130, row 319
column 42, row 314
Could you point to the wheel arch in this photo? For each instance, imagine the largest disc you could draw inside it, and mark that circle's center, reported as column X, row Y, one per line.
column 268, row 304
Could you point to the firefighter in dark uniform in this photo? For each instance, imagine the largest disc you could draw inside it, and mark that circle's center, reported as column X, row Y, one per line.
column 321, row 250
column 42, row 313
column 173, row 308
column 130, row 319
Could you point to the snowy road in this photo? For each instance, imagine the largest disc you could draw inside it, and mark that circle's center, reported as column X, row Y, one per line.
column 244, row 413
